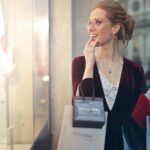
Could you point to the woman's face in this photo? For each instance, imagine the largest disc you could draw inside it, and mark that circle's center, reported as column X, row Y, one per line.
column 100, row 27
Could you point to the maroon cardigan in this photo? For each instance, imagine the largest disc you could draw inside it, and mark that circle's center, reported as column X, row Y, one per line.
column 131, row 85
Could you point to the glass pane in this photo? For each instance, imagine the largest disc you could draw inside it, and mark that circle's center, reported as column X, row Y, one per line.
column 40, row 64
column 16, row 90
column 7, row 101
column 138, row 48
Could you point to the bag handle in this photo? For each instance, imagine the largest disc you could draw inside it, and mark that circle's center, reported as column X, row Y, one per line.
column 148, row 96
column 82, row 94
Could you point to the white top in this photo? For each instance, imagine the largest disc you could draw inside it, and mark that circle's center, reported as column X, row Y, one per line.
column 110, row 90
column 147, row 94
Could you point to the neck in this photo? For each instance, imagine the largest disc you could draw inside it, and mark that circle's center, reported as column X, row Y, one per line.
column 110, row 53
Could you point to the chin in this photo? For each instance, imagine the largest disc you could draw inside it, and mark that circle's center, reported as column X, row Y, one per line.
column 98, row 44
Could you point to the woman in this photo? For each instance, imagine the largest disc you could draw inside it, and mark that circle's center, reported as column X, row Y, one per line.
column 104, row 71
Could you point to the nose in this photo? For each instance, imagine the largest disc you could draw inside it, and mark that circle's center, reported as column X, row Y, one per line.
column 92, row 25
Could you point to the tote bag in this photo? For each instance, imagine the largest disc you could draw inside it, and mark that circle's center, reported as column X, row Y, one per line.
column 141, row 110
column 148, row 132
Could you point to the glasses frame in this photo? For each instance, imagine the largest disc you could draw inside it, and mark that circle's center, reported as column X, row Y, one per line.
column 96, row 23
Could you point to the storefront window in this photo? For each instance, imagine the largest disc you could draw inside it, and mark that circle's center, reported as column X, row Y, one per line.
column 24, row 74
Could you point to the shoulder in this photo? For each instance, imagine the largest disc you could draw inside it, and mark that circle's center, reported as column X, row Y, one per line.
column 132, row 65
column 136, row 71
column 78, row 61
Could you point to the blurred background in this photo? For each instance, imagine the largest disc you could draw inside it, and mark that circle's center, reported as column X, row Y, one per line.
column 38, row 40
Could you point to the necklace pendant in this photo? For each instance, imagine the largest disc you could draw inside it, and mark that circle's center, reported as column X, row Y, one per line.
column 109, row 72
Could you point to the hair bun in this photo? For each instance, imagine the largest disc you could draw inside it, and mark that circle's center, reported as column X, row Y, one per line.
column 129, row 26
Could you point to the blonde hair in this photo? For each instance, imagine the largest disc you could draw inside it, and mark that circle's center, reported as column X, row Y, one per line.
column 117, row 14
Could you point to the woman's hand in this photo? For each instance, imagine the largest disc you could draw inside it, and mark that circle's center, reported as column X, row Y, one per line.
column 89, row 53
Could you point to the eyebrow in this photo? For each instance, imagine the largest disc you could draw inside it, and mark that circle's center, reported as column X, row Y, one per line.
column 101, row 19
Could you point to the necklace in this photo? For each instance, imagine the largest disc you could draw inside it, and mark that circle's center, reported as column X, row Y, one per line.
column 109, row 71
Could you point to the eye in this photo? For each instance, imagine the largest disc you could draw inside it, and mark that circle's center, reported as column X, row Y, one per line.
column 98, row 22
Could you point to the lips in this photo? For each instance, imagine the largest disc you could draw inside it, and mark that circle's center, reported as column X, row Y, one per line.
column 93, row 35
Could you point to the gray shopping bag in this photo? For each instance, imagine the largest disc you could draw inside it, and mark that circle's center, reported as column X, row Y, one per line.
column 148, row 132
column 72, row 138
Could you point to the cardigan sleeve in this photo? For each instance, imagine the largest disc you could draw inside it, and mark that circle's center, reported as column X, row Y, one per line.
column 86, row 85
column 77, row 73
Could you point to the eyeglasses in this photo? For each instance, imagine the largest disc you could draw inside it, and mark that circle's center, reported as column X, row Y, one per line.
column 96, row 23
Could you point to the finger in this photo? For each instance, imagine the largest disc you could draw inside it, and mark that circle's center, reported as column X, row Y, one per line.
column 88, row 42
column 93, row 42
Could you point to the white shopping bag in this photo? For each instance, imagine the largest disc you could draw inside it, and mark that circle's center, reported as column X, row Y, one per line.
column 148, row 132
column 72, row 138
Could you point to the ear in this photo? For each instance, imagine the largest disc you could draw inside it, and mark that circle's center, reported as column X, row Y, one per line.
column 116, row 28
